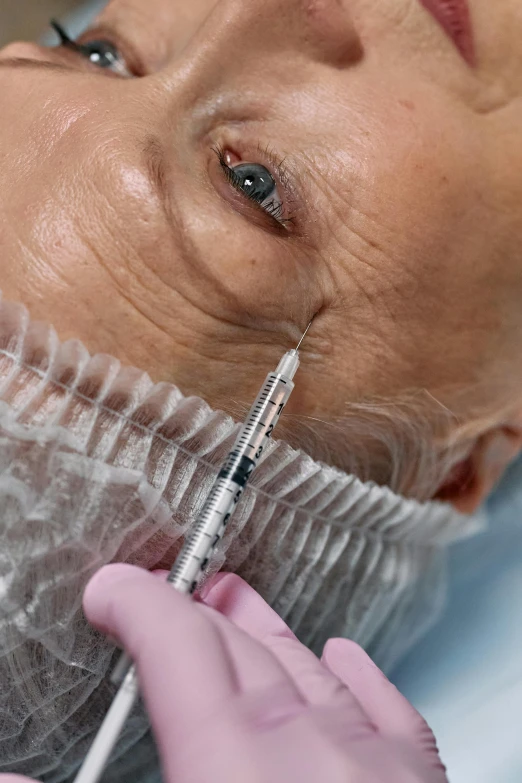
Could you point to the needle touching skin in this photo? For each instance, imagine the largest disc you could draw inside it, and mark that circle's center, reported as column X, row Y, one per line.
column 304, row 335
column 202, row 178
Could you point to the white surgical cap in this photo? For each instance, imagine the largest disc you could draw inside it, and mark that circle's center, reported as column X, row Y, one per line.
column 98, row 464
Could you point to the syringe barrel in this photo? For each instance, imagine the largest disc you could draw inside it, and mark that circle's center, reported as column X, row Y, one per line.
column 210, row 526
column 250, row 443
column 263, row 415
column 248, row 448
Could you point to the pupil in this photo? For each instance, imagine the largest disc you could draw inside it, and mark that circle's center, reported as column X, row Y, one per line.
column 256, row 181
column 102, row 54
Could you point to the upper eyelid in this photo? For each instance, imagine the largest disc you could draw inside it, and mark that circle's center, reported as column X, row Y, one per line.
column 130, row 53
column 286, row 170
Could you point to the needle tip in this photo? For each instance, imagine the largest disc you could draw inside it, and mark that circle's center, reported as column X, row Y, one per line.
column 304, row 335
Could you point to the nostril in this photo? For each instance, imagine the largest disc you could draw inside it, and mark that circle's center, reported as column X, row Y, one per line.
column 334, row 30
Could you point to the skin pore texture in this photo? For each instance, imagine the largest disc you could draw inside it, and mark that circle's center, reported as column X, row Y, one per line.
column 398, row 173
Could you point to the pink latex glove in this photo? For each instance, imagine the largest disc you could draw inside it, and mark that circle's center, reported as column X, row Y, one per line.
column 234, row 697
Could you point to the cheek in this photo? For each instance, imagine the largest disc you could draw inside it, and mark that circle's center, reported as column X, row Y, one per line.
column 236, row 271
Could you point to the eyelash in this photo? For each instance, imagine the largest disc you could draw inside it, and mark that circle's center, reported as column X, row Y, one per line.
column 274, row 211
column 128, row 66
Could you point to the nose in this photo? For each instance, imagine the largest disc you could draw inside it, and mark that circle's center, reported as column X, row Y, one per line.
column 322, row 30
column 325, row 29
column 242, row 35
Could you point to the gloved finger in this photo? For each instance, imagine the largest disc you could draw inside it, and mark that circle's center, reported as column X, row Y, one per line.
column 388, row 709
column 189, row 664
column 255, row 667
column 232, row 597
column 240, row 604
column 184, row 666
column 228, row 598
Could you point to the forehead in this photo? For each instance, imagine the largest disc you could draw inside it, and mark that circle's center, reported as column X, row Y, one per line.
column 389, row 164
column 379, row 160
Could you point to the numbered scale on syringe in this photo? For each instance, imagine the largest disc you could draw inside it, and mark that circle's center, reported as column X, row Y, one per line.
column 194, row 556
column 226, row 492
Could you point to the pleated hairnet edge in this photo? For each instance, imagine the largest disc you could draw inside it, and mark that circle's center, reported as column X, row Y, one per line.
column 122, row 393
column 99, row 464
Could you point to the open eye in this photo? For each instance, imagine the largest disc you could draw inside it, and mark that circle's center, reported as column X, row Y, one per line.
column 256, row 182
column 101, row 52
column 105, row 55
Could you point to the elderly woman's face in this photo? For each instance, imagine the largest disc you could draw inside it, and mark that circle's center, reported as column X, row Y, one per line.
column 266, row 162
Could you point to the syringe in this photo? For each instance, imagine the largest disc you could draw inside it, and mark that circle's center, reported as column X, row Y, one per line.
column 195, row 554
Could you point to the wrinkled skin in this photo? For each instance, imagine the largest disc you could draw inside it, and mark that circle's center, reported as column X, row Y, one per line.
column 403, row 184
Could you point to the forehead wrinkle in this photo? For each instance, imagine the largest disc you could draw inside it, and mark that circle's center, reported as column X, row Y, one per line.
column 156, row 162
column 27, row 64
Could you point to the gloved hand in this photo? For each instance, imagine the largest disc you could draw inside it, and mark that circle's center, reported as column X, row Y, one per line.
column 233, row 696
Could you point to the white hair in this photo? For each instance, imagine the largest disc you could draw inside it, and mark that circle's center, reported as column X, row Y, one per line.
column 408, row 444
